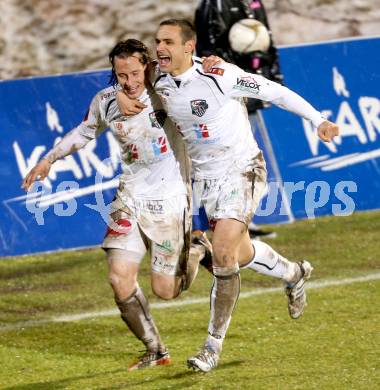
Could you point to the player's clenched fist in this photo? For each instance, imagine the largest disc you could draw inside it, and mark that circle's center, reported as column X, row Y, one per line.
column 211, row 61
column 327, row 131
column 39, row 172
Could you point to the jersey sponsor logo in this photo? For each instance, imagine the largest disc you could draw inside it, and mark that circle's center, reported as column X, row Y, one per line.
column 159, row 145
column 119, row 125
column 198, row 107
column 157, row 118
column 204, row 141
column 201, row 130
column 108, row 95
column 153, row 206
column 119, row 128
column 123, row 226
column 132, row 153
column 217, row 71
column 247, row 83
column 165, row 247
column 162, row 265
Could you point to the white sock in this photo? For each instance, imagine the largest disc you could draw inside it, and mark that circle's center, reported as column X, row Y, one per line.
column 268, row 262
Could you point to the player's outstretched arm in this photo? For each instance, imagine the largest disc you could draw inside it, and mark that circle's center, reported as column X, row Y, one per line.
column 327, row 131
column 90, row 128
column 238, row 83
column 69, row 144
column 39, row 172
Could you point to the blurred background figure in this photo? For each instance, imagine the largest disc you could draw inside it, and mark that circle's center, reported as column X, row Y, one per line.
column 239, row 32
column 220, row 16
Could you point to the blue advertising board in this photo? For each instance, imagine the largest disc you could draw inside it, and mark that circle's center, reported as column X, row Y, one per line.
column 339, row 78
column 35, row 113
column 342, row 80
column 274, row 207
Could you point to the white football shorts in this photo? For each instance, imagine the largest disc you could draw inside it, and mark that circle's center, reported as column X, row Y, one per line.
column 136, row 225
column 236, row 195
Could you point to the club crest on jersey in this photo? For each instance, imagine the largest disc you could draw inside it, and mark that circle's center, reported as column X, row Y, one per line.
column 198, row 107
column 157, row 118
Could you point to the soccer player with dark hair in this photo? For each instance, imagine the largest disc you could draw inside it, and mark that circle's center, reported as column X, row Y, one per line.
column 227, row 167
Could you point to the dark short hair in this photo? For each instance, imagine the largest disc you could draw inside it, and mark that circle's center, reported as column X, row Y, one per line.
column 187, row 28
column 125, row 49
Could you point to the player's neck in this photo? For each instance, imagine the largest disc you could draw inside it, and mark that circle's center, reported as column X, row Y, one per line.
column 185, row 66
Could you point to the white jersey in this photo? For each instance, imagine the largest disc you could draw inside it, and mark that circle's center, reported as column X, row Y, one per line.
column 149, row 166
column 210, row 114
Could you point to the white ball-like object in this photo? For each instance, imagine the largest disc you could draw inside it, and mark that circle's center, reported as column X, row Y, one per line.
column 248, row 35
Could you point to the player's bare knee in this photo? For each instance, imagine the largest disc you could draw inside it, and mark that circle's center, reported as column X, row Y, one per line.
column 163, row 293
column 114, row 279
column 122, row 272
column 164, row 289
column 117, row 278
column 121, row 285
column 224, row 256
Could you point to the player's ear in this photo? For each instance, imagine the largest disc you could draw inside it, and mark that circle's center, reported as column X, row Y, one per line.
column 190, row 46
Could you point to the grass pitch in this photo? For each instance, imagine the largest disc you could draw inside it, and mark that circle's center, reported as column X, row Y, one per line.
column 335, row 345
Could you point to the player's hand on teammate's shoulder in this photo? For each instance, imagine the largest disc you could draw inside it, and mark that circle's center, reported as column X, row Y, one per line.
column 127, row 106
column 327, row 131
column 39, row 172
column 211, row 61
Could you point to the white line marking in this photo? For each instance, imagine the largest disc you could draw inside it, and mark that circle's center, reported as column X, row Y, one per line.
column 61, row 196
column 333, row 164
column 184, row 302
column 309, row 160
column 373, row 154
column 49, row 199
column 333, row 160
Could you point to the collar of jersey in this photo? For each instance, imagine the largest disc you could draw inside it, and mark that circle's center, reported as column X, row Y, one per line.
column 185, row 76
column 144, row 96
